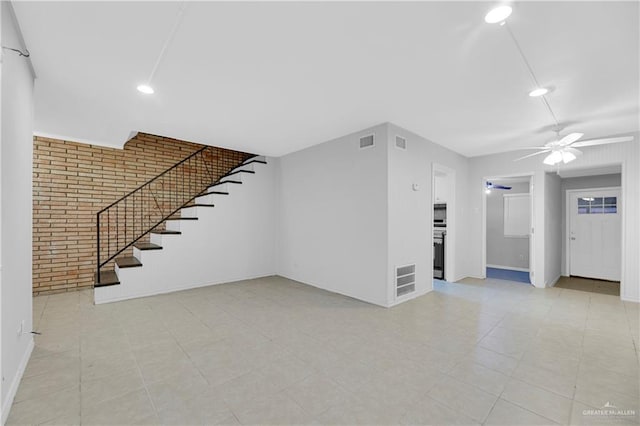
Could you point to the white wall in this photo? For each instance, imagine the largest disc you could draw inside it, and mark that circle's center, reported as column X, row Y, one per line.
column 552, row 228
column 333, row 216
column 411, row 213
column 505, row 251
column 582, row 182
column 627, row 154
column 233, row 241
column 16, row 209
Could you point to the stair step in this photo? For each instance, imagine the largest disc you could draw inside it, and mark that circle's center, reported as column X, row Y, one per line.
column 128, row 262
column 215, row 192
column 106, row 278
column 147, row 246
column 182, row 218
column 200, row 205
column 228, row 181
column 167, row 232
column 239, row 171
column 254, row 161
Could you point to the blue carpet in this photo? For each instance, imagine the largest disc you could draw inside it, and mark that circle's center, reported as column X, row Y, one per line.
column 507, row 274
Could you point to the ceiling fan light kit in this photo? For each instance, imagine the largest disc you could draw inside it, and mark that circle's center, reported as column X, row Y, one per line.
column 554, row 158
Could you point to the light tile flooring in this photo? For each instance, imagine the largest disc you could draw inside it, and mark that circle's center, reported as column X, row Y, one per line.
column 272, row 351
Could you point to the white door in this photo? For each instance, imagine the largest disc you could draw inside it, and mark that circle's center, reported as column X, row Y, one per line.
column 595, row 234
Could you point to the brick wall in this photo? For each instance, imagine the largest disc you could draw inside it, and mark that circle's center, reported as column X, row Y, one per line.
column 72, row 182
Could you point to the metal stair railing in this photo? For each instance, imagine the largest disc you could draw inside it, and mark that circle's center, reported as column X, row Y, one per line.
column 128, row 219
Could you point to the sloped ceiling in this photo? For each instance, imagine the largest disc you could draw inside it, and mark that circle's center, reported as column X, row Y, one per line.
column 272, row 78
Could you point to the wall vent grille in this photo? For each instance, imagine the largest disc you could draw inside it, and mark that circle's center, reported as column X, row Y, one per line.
column 405, row 279
column 367, row 141
column 401, row 143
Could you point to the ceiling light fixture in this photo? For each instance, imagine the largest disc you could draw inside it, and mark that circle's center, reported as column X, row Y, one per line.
column 540, row 91
column 554, row 158
column 498, row 14
column 146, row 89
column 559, row 156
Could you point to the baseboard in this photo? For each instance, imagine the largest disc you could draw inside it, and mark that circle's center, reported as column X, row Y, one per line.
column 462, row 277
column 475, row 277
column 411, row 297
column 510, row 268
column 176, row 289
column 13, row 389
column 372, row 302
column 554, row 281
column 629, row 299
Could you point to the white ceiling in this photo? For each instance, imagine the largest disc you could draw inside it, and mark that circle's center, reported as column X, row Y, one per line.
column 272, row 78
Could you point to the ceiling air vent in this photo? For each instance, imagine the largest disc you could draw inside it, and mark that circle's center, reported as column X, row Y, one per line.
column 366, row 141
column 401, row 143
column 405, row 279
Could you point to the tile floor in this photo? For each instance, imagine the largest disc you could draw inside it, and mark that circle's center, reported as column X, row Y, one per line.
column 272, row 351
column 587, row 284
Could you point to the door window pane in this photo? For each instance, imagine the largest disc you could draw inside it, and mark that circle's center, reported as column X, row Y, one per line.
column 597, row 205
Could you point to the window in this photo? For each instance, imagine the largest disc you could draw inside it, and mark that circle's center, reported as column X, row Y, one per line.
column 517, row 212
column 597, row 205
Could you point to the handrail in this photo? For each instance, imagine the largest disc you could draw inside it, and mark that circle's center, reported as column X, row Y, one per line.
column 152, row 180
column 169, row 191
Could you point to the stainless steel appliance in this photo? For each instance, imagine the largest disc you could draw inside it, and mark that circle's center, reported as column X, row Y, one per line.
column 439, row 237
column 440, row 215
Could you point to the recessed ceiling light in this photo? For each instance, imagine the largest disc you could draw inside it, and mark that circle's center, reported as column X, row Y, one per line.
column 497, row 14
column 146, row 89
column 538, row 92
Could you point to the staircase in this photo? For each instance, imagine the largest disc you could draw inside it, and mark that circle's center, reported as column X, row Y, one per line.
column 136, row 223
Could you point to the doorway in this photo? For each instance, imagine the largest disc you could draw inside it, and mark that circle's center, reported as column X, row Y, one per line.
column 594, row 231
column 508, row 218
column 443, row 230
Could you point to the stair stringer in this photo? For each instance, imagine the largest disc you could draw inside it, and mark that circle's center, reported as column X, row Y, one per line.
column 233, row 241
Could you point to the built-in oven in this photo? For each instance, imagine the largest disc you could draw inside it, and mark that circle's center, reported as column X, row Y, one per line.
column 438, row 253
column 440, row 215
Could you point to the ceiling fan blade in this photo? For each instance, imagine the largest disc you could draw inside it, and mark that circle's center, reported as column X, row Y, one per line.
column 570, row 138
column 602, row 141
column 574, row 151
column 532, row 155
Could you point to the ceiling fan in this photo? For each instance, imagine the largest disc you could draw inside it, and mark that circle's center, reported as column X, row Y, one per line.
column 563, row 150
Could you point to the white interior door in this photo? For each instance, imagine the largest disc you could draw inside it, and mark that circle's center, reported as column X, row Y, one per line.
column 595, row 234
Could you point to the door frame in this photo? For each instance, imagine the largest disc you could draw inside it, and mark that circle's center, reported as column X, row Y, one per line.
column 531, row 176
column 567, row 226
column 450, row 238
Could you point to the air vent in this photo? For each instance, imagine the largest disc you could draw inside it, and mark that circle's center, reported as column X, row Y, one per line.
column 401, row 143
column 366, row 141
column 405, row 280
